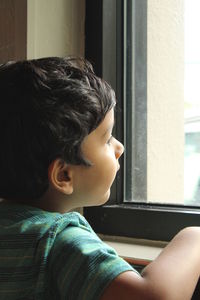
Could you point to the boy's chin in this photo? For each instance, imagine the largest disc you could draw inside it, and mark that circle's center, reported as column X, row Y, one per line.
column 104, row 199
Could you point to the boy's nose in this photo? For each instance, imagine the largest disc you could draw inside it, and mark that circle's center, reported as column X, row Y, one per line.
column 119, row 150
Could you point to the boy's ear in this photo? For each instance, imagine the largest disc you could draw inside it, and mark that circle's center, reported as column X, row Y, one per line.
column 60, row 176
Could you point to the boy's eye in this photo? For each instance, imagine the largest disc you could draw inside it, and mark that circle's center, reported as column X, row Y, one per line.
column 108, row 142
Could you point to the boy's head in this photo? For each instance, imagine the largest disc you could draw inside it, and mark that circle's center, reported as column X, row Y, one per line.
column 47, row 107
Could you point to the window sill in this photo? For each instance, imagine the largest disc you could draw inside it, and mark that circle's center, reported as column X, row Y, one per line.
column 138, row 251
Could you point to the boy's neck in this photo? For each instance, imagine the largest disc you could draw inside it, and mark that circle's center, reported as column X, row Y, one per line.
column 50, row 201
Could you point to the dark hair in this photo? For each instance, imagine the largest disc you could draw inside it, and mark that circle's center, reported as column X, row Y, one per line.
column 47, row 107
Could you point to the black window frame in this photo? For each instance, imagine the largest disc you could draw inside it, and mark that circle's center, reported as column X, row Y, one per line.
column 118, row 218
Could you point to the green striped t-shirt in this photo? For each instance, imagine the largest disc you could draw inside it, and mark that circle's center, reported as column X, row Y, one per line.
column 46, row 255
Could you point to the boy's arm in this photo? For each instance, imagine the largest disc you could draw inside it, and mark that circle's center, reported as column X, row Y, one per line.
column 173, row 275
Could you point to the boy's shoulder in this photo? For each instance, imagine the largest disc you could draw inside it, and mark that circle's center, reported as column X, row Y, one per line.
column 30, row 223
column 32, row 219
column 64, row 247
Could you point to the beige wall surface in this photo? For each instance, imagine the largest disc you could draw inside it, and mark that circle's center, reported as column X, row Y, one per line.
column 55, row 28
column 165, row 96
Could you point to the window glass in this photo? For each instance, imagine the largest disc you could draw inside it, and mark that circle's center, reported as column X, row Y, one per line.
column 162, row 100
column 192, row 103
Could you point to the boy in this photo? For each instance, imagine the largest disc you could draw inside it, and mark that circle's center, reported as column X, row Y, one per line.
column 58, row 153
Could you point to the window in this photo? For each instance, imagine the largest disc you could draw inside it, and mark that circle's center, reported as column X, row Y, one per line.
column 142, row 56
column 192, row 103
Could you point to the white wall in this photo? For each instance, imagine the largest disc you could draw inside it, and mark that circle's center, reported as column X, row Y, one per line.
column 55, row 28
column 165, row 100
